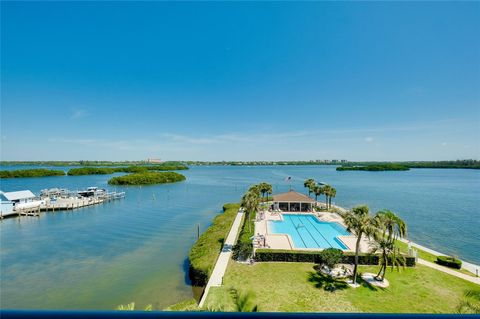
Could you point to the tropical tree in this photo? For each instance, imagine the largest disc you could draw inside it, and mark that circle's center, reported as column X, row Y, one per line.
column 325, row 191
column 265, row 189
column 332, row 192
column 330, row 257
column 250, row 201
column 317, row 190
column 255, row 189
column 360, row 223
column 309, row 183
column 470, row 303
column 390, row 227
column 244, row 301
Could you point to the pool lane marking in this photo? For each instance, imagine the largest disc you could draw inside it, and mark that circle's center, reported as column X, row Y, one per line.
column 316, row 242
column 328, row 242
column 290, row 219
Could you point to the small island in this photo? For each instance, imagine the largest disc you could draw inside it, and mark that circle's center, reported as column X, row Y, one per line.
column 147, row 178
column 125, row 169
column 374, row 168
column 37, row 172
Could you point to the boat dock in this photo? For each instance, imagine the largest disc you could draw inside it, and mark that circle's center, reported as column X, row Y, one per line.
column 58, row 200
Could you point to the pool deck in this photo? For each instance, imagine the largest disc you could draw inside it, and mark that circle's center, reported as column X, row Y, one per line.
column 284, row 241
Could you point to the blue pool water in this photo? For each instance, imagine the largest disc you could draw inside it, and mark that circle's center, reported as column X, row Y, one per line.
column 309, row 232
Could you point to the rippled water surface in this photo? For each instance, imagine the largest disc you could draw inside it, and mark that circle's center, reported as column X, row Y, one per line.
column 135, row 249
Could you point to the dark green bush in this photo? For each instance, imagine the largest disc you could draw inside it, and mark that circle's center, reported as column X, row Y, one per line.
column 244, row 247
column 331, row 256
column 90, row 171
column 315, row 257
column 37, row 172
column 449, row 262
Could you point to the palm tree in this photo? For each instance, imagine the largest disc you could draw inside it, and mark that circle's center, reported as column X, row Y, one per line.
column 309, row 183
column 317, row 190
column 360, row 223
column 389, row 228
column 470, row 303
column 265, row 189
column 250, row 201
column 325, row 191
column 255, row 189
column 244, row 301
column 332, row 192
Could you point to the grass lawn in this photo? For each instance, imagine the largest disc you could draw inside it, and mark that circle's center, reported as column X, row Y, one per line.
column 428, row 257
column 294, row 287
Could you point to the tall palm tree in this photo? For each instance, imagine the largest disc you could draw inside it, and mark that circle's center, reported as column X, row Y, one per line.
column 360, row 223
column 265, row 189
column 250, row 202
column 326, row 191
column 317, row 190
column 309, row 183
column 389, row 228
column 332, row 192
column 255, row 188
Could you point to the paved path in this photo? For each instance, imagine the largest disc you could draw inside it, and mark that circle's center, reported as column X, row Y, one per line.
column 452, row 272
column 474, row 269
column 219, row 270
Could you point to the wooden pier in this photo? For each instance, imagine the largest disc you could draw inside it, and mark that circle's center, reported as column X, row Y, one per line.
column 62, row 204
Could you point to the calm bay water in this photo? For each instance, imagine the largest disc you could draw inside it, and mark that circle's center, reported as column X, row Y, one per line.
column 135, row 249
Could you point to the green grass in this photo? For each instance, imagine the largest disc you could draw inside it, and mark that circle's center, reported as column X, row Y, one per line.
column 147, row 178
column 185, row 305
column 205, row 251
column 427, row 256
column 293, row 287
column 37, row 172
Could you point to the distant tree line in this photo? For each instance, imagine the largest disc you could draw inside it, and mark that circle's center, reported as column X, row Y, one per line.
column 127, row 169
column 39, row 172
column 466, row 163
column 374, row 167
column 85, row 163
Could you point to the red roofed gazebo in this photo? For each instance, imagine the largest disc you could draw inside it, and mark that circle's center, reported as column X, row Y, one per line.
column 293, row 201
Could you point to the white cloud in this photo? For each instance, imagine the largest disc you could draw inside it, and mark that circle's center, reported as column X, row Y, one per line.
column 369, row 139
column 444, row 144
column 78, row 114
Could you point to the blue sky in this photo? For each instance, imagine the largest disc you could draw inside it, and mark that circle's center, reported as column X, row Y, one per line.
column 240, row 81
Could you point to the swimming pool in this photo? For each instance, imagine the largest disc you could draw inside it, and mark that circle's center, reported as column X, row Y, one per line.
column 307, row 231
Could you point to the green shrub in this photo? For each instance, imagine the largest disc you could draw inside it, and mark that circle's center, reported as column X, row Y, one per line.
column 244, row 246
column 331, row 256
column 265, row 255
column 147, row 178
column 90, row 171
column 206, row 249
column 37, row 172
column 451, row 262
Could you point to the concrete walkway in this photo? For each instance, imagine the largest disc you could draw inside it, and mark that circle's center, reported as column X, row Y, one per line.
column 216, row 278
column 474, row 269
column 475, row 280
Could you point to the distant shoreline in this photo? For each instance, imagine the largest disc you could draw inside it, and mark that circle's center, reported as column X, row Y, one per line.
column 466, row 163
